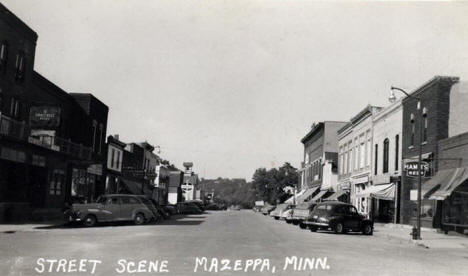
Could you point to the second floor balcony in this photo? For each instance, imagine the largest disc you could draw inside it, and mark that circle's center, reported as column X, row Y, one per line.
column 12, row 128
column 62, row 145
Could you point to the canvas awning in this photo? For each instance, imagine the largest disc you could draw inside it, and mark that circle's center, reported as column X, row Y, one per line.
column 433, row 184
column 459, row 176
column 291, row 199
column 385, row 192
column 307, row 194
column 319, row 195
column 132, row 186
column 336, row 195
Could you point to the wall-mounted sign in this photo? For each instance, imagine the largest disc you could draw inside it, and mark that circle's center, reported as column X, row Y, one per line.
column 412, row 168
column 44, row 116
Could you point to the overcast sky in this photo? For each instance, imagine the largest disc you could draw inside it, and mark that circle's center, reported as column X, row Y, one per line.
column 234, row 85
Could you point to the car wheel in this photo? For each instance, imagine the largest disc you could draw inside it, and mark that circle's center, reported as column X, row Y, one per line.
column 367, row 229
column 338, row 228
column 302, row 225
column 277, row 218
column 295, row 222
column 313, row 229
column 139, row 219
column 288, row 221
column 90, row 221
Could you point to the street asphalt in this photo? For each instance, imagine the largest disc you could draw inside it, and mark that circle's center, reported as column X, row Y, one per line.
column 232, row 242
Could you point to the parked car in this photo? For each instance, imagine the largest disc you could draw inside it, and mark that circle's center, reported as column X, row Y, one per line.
column 287, row 214
column 110, row 208
column 277, row 212
column 340, row 218
column 212, row 206
column 171, row 209
column 161, row 212
column 267, row 209
column 188, row 208
column 257, row 208
column 197, row 202
column 301, row 213
column 234, row 208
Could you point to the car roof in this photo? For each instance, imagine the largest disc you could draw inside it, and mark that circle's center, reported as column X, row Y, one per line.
column 333, row 203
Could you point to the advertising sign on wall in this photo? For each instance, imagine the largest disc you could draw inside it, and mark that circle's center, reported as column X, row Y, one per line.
column 44, row 116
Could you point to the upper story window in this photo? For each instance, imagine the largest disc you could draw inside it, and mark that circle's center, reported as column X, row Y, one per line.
column 376, row 162
column 412, row 129
column 101, row 134
column 397, row 151
column 20, row 67
column 426, row 123
column 3, row 55
column 14, row 108
column 385, row 155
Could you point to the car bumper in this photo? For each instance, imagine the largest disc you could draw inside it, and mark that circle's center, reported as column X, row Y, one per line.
column 317, row 224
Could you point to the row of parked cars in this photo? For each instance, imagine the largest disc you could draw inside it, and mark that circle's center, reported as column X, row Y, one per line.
column 333, row 215
column 122, row 207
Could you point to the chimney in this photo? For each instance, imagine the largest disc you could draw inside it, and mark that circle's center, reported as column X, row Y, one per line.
column 116, row 137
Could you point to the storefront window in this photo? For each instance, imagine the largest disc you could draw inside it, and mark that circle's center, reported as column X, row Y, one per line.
column 456, row 208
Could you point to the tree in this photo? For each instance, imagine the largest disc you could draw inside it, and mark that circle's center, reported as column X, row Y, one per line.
column 270, row 184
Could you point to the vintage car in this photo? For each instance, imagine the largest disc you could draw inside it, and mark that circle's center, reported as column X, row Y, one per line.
column 286, row 215
column 197, row 202
column 267, row 209
column 188, row 208
column 340, row 218
column 301, row 213
column 278, row 211
column 113, row 207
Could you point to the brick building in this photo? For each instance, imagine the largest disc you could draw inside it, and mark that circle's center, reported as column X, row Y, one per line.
column 320, row 171
column 429, row 122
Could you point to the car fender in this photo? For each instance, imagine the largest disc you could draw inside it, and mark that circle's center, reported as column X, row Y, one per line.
column 366, row 222
column 147, row 213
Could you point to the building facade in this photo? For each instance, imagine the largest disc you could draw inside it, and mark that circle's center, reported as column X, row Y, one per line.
column 386, row 164
column 429, row 115
column 355, row 147
column 115, row 152
column 320, row 170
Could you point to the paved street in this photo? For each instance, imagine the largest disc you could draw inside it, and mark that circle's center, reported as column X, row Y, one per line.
column 229, row 235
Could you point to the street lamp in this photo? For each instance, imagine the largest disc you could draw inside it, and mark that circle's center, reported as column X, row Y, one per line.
column 422, row 114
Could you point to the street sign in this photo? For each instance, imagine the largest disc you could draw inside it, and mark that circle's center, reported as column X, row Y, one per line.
column 412, row 168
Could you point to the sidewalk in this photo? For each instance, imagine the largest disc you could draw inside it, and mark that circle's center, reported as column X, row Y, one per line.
column 430, row 238
column 9, row 228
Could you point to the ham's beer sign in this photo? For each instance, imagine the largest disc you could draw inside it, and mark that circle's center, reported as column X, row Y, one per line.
column 44, row 116
column 412, row 168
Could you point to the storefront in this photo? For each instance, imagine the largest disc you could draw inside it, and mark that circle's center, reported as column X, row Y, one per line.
column 361, row 202
column 448, row 191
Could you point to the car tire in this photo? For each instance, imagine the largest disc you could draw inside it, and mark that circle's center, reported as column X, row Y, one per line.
column 302, row 225
column 313, row 229
column 288, row 221
column 295, row 222
column 139, row 219
column 90, row 221
column 338, row 228
column 276, row 218
column 367, row 230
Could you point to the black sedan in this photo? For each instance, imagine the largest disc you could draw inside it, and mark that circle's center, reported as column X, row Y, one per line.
column 339, row 217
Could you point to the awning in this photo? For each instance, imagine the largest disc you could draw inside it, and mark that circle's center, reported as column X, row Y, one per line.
column 433, row 184
column 291, row 199
column 336, row 195
column 385, row 191
column 458, row 177
column 319, row 195
column 307, row 194
column 132, row 186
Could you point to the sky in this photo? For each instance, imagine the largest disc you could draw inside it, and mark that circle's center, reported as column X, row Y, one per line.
column 234, row 85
